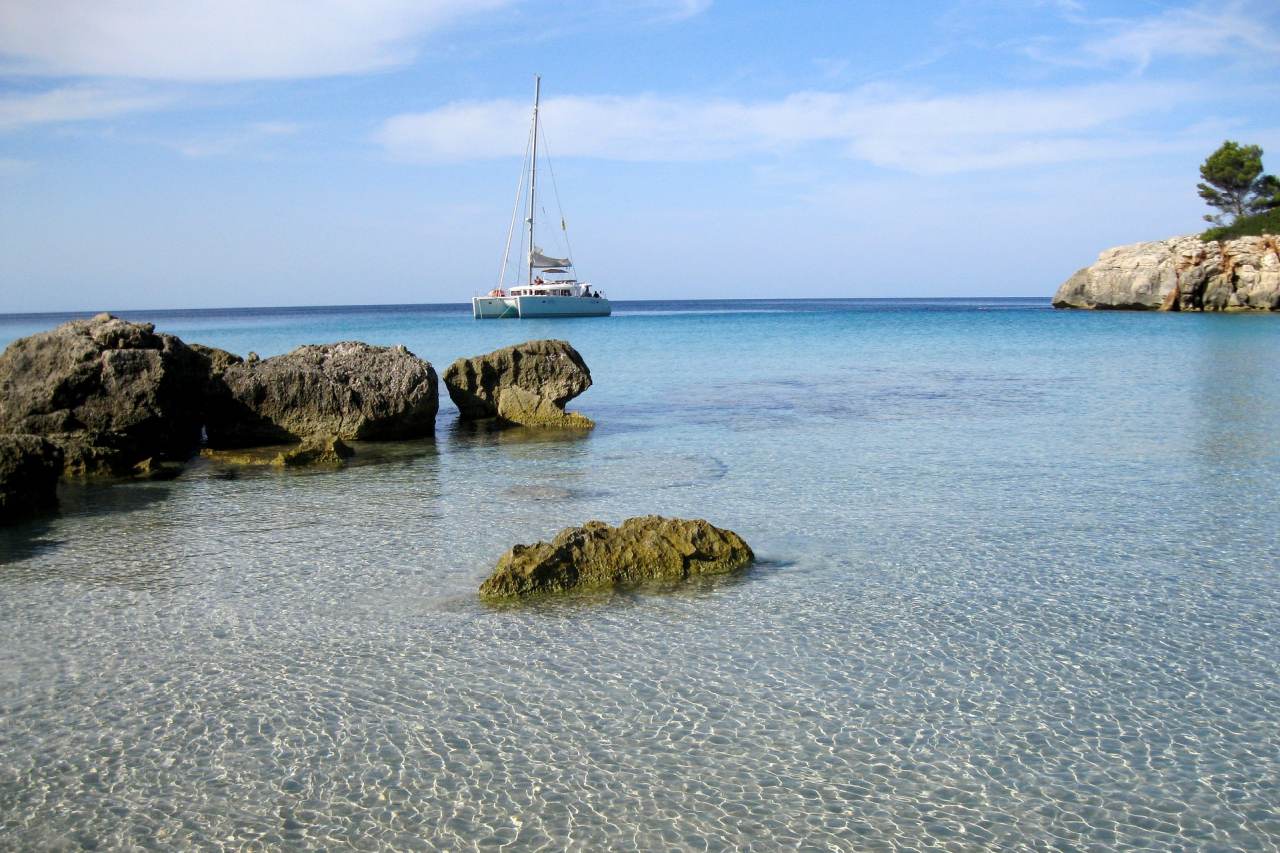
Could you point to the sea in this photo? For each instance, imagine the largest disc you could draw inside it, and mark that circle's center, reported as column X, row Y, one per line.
column 1017, row 587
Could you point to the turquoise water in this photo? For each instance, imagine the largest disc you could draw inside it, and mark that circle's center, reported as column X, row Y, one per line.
column 1018, row 589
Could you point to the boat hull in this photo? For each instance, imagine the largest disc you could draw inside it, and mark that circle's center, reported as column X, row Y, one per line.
column 494, row 308
column 563, row 306
column 512, row 307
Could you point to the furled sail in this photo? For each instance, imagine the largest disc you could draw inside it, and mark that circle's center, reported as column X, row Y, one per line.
column 542, row 262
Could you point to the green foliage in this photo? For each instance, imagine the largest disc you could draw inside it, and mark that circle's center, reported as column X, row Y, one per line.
column 1234, row 183
column 1267, row 222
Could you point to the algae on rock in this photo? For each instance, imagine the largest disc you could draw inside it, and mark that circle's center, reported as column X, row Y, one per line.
column 598, row 556
column 316, row 451
column 518, row 406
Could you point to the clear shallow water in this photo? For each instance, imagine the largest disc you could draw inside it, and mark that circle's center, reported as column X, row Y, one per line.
column 1018, row 588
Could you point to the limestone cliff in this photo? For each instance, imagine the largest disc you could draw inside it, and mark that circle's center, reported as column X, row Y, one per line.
column 1180, row 274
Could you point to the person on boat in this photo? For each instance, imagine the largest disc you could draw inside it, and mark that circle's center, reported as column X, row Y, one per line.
column 539, row 280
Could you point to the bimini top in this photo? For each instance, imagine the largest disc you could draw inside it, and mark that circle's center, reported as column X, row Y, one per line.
column 543, row 262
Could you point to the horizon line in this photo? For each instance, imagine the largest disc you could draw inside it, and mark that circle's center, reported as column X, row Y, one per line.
column 89, row 312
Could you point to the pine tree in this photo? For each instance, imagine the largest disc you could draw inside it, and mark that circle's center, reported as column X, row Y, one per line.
column 1234, row 183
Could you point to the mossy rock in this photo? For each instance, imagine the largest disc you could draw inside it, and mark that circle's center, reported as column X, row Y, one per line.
column 597, row 556
column 328, row 450
column 524, row 408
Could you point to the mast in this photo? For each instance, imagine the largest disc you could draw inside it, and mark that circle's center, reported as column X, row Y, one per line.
column 533, row 169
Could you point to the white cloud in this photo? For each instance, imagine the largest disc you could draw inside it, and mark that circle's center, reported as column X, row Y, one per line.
column 73, row 103
column 917, row 133
column 1205, row 31
column 218, row 40
column 1237, row 32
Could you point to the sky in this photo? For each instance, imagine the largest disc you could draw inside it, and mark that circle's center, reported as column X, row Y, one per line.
column 224, row 153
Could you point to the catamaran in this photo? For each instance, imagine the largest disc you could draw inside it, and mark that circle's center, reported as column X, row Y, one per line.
column 550, row 287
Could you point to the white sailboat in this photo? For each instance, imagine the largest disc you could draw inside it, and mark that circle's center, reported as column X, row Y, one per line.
column 550, row 287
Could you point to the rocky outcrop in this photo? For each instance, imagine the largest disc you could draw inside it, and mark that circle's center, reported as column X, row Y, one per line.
column 349, row 390
column 110, row 393
column 595, row 556
column 1180, row 274
column 29, row 470
column 526, row 384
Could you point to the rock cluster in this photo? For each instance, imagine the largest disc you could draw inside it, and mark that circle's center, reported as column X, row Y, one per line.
column 596, row 556
column 1180, row 274
column 29, row 470
column 107, row 396
column 526, row 384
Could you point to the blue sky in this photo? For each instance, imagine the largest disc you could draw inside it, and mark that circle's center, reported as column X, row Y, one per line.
column 239, row 153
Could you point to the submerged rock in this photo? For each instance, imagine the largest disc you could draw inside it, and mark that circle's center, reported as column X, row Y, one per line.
column 158, row 469
column 317, row 450
column 595, row 556
column 242, row 457
column 29, row 470
column 349, row 390
column 110, row 393
column 1180, row 274
column 527, row 384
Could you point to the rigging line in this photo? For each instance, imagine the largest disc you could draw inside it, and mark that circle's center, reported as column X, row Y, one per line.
column 506, row 252
column 564, row 229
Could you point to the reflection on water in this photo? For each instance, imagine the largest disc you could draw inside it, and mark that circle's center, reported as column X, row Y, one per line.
column 24, row 540
column 1017, row 589
column 490, row 433
column 1234, row 412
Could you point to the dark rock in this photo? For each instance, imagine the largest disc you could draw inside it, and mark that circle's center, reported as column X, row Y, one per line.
column 109, row 392
column 217, row 359
column 349, row 390
column 29, row 470
column 216, row 397
column 317, row 450
column 527, row 384
column 595, row 556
